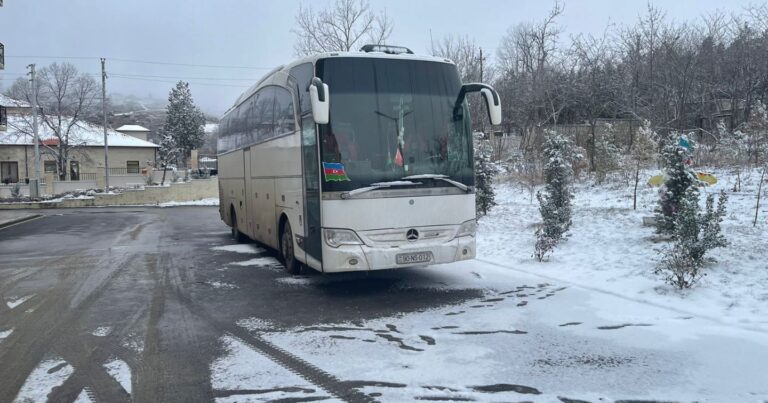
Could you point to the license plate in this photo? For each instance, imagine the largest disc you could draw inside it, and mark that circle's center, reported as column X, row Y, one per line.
column 415, row 257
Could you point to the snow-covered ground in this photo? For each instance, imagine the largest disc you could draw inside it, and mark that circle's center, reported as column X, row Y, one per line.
column 610, row 250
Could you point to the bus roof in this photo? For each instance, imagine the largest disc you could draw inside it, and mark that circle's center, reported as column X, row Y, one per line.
column 328, row 55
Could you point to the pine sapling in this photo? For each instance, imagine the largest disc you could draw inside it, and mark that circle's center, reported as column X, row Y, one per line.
column 679, row 178
column 695, row 234
column 555, row 200
column 485, row 197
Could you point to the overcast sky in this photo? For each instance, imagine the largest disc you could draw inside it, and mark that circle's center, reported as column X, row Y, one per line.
column 257, row 34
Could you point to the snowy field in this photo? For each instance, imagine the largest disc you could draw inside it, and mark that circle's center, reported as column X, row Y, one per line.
column 610, row 250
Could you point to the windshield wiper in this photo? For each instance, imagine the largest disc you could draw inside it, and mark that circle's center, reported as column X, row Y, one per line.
column 376, row 186
column 443, row 178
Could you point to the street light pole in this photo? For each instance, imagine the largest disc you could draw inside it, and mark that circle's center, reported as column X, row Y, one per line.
column 104, row 113
column 34, row 188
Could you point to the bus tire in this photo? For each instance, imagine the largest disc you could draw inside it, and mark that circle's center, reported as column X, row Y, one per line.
column 286, row 250
column 236, row 234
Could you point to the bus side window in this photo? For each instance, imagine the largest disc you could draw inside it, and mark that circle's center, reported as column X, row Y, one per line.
column 284, row 118
column 265, row 112
column 303, row 74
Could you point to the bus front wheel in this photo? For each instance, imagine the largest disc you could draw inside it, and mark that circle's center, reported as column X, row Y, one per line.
column 286, row 250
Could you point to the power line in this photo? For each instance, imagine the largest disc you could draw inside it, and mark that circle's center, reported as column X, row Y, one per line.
column 127, row 75
column 173, row 82
column 141, row 62
column 188, row 78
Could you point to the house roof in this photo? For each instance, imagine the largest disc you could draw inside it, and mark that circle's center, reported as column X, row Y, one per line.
column 211, row 128
column 82, row 134
column 9, row 102
column 132, row 128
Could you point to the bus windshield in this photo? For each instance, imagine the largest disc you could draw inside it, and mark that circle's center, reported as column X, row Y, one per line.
column 391, row 119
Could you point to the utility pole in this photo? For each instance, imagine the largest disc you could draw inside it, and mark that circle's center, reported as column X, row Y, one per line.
column 34, row 186
column 104, row 113
column 481, row 65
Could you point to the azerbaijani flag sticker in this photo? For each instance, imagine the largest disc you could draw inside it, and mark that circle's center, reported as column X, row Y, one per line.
column 334, row 172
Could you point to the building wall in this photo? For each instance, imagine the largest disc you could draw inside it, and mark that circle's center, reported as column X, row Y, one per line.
column 91, row 159
column 196, row 189
column 138, row 135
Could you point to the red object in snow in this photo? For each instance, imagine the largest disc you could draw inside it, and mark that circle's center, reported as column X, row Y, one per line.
column 50, row 142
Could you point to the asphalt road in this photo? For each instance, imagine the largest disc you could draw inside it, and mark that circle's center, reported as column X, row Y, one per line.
column 146, row 274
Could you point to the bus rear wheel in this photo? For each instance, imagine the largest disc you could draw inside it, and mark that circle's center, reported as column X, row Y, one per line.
column 286, row 250
column 236, row 234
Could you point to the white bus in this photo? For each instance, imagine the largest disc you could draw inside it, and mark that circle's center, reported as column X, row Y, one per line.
column 354, row 161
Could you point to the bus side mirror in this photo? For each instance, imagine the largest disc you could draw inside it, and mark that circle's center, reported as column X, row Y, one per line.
column 491, row 97
column 318, row 96
column 493, row 104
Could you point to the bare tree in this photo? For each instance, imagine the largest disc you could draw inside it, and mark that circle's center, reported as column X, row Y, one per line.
column 467, row 55
column 67, row 100
column 529, row 74
column 339, row 28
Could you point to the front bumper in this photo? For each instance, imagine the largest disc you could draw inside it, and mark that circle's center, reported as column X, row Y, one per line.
column 367, row 257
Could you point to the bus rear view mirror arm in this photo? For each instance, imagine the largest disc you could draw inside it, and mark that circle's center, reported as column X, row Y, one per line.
column 319, row 97
column 491, row 97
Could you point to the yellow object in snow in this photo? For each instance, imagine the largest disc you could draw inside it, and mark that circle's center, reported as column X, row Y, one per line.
column 706, row 177
column 656, row 180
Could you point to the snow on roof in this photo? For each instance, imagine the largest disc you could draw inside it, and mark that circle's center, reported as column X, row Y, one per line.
column 82, row 134
column 132, row 128
column 211, row 128
column 9, row 102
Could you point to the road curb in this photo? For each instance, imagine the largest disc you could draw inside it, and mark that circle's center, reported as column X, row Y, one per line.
column 19, row 220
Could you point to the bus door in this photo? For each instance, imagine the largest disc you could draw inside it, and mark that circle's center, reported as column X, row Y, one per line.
column 311, row 178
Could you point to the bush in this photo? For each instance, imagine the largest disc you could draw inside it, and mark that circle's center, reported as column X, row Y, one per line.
column 695, row 234
column 555, row 201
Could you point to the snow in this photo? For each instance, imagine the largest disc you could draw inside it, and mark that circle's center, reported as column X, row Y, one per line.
column 295, row 280
column 134, row 343
column 5, row 333
column 240, row 248
column 543, row 336
column 83, row 134
column 211, row 201
column 13, row 302
column 132, row 128
column 83, row 397
column 259, row 261
column 120, row 370
column 610, row 250
column 210, row 128
column 102, row 331
column 46, row 376
column 8, row 102
column 219, row 284
column 242, row 368
column 255, row 324
column 591, row 323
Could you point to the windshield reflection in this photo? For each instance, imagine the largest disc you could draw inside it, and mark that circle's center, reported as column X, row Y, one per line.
column 392, row 118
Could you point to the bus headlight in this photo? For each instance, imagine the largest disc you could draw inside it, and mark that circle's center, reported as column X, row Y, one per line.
column 337, row 237
column 467, row 228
